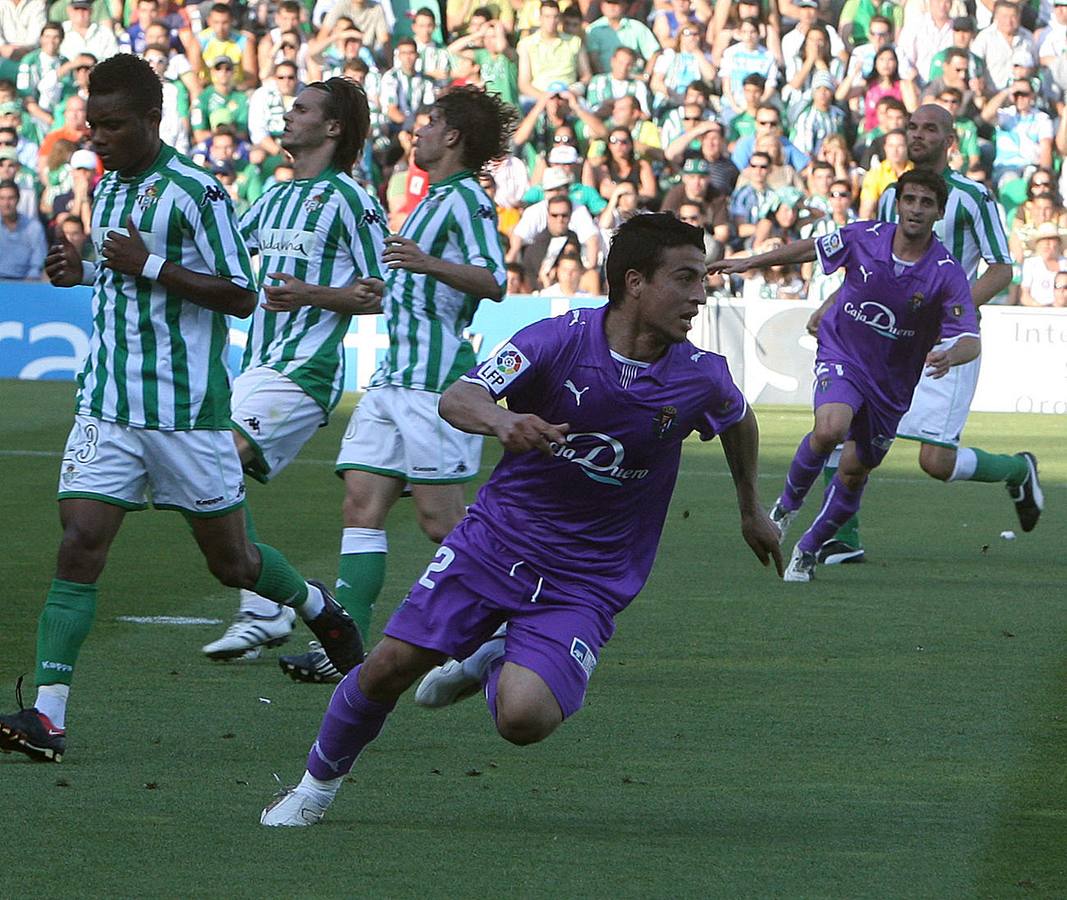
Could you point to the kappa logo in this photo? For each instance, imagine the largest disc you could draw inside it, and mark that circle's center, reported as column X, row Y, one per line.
column 63, row 667
column 865, row 273
column 213, row 194
column 484, row 212
column 370, row 217
column 570, row 386
column 253, row 424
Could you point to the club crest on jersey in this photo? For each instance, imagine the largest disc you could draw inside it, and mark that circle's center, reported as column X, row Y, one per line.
column 665, row 419
column 314, row 204
column 916, row 301
column 147, row 197
column 484, row 212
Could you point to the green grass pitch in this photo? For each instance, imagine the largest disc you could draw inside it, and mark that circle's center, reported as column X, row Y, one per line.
column 894, row 729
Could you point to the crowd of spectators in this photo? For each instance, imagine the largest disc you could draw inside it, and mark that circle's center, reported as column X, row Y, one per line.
column 761, row 121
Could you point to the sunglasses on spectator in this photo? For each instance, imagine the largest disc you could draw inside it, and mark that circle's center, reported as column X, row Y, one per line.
column 772, row 123
column 878, row 33
column 690, row 31
column 8, row 143
column 288, row 46
column 1022, row 94
column 562, row 139
column 1040, row 184
column 1061, row 287
column 285, row 78
column 840, row 194
column 691, row 119
column 759, row 166
column 562, row 215
column 618, row 140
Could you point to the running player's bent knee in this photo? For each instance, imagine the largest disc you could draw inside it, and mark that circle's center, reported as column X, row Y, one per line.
column 522, row 726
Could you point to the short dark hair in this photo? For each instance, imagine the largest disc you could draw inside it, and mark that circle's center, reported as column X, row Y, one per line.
column 131, row 77
column 955, row 93
column 52, row 26
column 893, row 103
column 756, row 79
column 9, row 184
column 551, row 4
column 346, row 102
column 221, row 8
column 819, row 165
column 291, row 6
column 425, row 11
column 485, row 122
column 639, row 243
column 560, row 198
column 405, row 42
column 929, row 180
column 957, row 53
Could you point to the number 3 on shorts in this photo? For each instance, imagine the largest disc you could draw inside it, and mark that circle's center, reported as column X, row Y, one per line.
column 441, row 561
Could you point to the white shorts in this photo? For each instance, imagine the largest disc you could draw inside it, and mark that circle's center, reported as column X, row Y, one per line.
column 397, row 432
column 276, row 417
column 197, row 472
column 939, row 406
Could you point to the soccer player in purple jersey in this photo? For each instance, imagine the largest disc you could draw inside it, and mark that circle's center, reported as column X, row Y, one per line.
column 563, row 535
column 903, row 291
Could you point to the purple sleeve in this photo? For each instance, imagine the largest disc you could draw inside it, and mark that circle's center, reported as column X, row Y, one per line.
column 834, row 249
column 726, row 404
column 517, row 364
column 958, row 317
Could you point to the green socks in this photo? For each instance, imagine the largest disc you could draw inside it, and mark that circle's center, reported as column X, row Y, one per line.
column 278, row 580
column 361, row 573
column 999, row 467
column 64, row 624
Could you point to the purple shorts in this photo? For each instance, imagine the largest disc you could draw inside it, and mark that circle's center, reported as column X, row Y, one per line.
column 475, row 583
column 873, row 427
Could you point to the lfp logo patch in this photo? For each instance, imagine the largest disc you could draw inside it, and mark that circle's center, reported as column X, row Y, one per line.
column 497, row 373
column 584, row 656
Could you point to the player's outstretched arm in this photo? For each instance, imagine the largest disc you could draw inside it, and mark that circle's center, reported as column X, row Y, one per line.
column 126, row 253
column 362, row 297
column 938, row 362
column 471, row 408
column 740, row 443
column 788, row 254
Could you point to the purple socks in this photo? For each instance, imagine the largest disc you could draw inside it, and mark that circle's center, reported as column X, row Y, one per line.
column 839, row 505
column 803, row 471
column 351, row 722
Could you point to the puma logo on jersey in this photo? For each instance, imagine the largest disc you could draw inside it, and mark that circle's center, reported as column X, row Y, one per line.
column 874, row 228
column 334, row 764
column 865, row 274
column 696, row 356
column 569, row 385
column 946, row 260
column 576, row 314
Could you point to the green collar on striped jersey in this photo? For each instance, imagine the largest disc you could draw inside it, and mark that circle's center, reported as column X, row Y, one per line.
column 166, row 153
column 452, row 179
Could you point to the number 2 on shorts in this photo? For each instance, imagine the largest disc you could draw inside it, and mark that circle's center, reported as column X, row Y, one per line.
column 441, row 561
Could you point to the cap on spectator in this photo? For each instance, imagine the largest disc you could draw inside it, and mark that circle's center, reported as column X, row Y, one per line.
column 8, row 153
column 696, row 165
column 220, row 60
column 563, row 155
column 81, row 4
column 221, row 167
column 1059, row 2
column 555, row 178
column 1023, row 57
column 1043, row 231
column 557, row 87
column 964, row 23
column 11, row 108
column 822, row 78
column 810, row 4
column 220, row 116
column 83, row 159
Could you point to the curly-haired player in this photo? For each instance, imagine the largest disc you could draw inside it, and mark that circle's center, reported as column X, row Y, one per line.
column 444, row 261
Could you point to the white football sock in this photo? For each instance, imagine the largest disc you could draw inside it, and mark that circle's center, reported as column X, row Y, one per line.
column 313, row 606
column 966, row 465
column 260, row 607
column 322, row 791
column 52, row 701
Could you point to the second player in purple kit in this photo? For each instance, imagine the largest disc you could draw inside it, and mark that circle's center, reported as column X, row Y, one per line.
column 565, row 532
column 903, row 291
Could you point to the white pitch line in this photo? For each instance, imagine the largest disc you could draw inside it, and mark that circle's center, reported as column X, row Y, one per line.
column 167, row 620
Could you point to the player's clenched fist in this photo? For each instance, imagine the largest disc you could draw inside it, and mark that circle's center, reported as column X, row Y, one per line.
column 522, row 432
column 63, row 264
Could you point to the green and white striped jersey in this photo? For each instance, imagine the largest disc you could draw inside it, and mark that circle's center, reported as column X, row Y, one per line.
column 326, row 231
column 156, row 359
column 971, row 228
column 455, row 222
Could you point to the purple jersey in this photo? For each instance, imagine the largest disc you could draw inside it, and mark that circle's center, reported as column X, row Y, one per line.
column 883, row 322
column 591, row 515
